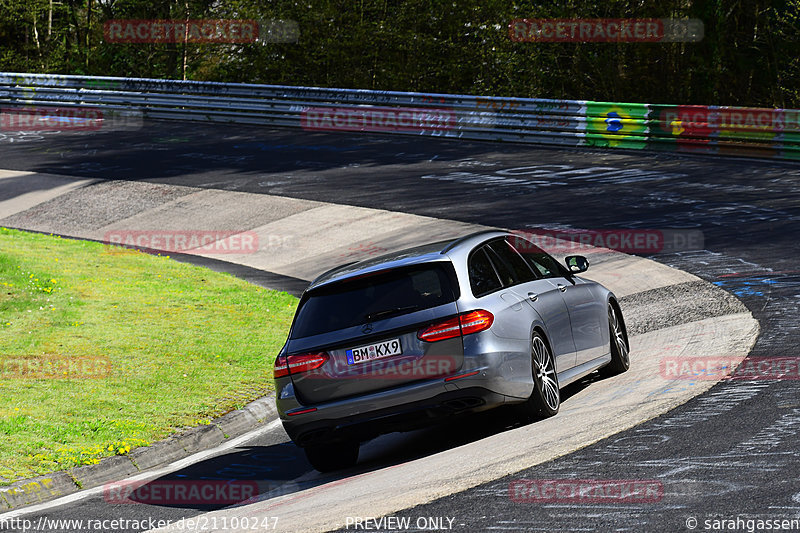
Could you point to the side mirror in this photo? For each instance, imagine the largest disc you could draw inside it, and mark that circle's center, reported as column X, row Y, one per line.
column 576, row 264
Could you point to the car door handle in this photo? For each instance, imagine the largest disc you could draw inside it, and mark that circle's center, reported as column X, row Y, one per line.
column 533, row 296
column 562, row 288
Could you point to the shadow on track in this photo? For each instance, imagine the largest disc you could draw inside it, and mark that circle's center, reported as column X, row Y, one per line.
column 261, row 473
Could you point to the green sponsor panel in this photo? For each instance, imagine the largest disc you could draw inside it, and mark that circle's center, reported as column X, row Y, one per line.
column 751, row 131
column 747, row 134
column 791, row 120
column 663, row 127
column 791, row 145
column 791, row 134
column 616, row 125
column 603, row 141
column 746, row 129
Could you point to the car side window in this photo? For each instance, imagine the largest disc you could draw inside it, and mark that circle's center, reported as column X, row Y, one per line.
column 512, row 268
column 482, row 276
column 538, row 259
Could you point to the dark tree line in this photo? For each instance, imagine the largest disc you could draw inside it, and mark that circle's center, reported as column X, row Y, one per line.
column 749, row 56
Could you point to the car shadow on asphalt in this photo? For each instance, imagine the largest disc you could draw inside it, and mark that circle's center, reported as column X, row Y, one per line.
column 251, row 474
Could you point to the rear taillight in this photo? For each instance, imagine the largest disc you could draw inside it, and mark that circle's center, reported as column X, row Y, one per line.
column 295, row 364
column 441, row 331
column 476, row 321
column 464, row 324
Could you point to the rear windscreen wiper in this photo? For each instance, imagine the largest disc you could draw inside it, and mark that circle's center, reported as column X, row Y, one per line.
column 389, row 312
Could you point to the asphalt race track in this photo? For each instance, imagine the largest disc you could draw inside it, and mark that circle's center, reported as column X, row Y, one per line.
column 728, row 453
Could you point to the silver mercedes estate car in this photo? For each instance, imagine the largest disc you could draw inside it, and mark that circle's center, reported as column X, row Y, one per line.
column 399, row 341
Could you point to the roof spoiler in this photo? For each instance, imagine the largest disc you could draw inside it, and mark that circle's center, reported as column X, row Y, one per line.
column 331, row 271
column 467, row 237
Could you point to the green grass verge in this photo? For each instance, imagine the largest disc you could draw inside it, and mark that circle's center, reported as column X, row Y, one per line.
column 103, row 351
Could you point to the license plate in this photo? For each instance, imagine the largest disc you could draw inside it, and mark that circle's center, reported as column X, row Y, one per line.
column 370, row 352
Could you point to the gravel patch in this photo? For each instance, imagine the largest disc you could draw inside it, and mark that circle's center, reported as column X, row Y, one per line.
column 676, row 304
column 95, row 205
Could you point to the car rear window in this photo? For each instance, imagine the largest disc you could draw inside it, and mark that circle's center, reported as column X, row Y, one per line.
column 375, row 297
column 482, row 276
column 543, row 264
column 510, row 265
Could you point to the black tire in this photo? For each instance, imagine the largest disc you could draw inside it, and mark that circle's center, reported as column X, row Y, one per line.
column 545, row 399
column 620, row 349
column 333, row 456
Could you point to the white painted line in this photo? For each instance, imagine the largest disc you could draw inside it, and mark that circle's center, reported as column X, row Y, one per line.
column 150, row 474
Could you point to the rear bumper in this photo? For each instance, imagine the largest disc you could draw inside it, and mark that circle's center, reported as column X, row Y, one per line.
column 498, row 373
column 403, row 409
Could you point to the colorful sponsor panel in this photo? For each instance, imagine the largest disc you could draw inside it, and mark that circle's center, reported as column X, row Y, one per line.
column 736, row 130
column 684, row 128
column 616, row 125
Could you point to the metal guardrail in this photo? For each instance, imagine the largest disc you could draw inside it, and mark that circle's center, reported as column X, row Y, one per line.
column 704, row 129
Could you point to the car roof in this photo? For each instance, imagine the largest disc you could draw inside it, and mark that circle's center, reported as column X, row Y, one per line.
column 426, row 253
